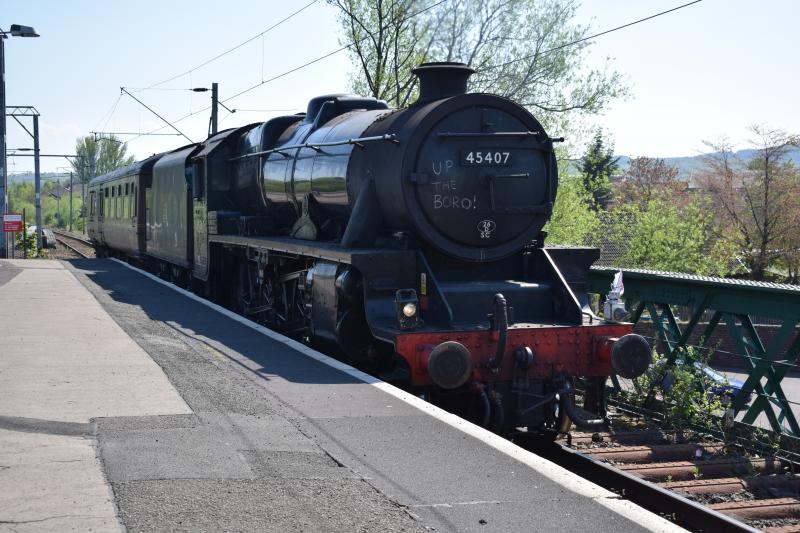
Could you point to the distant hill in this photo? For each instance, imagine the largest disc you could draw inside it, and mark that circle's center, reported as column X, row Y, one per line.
column 45, row 176
column 688, row 164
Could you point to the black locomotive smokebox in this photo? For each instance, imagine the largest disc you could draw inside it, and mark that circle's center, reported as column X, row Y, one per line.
column 472, row 175
column 481, row 176
column 441, row 80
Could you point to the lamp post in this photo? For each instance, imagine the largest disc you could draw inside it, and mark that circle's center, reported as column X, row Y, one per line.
column 58, row 205
column 15, row 31
column 213, row 121
column 70, row 188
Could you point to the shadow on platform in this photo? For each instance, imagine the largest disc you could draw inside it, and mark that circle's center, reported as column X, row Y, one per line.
column 165, row 305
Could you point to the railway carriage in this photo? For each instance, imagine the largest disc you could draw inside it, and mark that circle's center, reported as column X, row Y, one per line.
column 116, row 208
column 406, row 241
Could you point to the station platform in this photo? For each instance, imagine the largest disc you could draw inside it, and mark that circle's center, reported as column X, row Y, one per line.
column 129, row 404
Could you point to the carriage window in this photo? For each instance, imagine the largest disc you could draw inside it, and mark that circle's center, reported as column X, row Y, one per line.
column 198, row 179
column 134, row 200
column 126, row 189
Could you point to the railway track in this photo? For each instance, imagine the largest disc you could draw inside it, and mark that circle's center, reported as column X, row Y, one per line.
column 697, row 485
column 76, row 244
column 701, row 486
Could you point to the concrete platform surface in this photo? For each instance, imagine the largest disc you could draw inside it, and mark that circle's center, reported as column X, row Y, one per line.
column 64, row 358
column 63, row 362
column 278, row 438
column 52, row 483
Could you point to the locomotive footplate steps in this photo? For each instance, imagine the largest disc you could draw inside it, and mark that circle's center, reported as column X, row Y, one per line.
column 278, row 437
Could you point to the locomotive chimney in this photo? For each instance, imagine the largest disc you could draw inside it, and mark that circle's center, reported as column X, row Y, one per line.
column 441, row 80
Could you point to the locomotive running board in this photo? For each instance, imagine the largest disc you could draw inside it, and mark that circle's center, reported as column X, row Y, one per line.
column 330, row 251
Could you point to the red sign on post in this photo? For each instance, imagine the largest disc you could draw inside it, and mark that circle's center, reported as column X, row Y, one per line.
column 12, row 222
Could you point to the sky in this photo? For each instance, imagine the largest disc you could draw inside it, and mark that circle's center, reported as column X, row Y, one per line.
column 703, row 72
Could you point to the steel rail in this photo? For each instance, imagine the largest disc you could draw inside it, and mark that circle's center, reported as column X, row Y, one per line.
column 64, row 235
column 65, row 243
column 682, row 511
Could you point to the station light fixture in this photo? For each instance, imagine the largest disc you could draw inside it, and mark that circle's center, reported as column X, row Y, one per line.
column 16, row 30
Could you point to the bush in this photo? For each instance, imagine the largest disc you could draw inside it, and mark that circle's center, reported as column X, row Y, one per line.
column 665, row 236
column 681, row 392
column 573, row 221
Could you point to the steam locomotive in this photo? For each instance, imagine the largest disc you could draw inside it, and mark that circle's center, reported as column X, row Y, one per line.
column 407, row 242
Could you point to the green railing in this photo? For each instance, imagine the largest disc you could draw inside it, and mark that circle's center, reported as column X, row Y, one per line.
column 711, row 308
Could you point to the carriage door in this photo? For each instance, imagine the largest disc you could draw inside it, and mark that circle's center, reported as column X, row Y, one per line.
column 200, row 219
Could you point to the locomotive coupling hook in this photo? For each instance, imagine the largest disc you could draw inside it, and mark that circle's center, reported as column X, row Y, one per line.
column 581, row 418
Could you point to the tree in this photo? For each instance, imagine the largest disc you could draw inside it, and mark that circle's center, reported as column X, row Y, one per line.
column 573, row 222
column 387, row 43
column 646, row 179
column 789, row 259
column 756, row 203
column 520, row 49
column 789, row 240
column 597, row 167
column 98, row 156
column 670, row 237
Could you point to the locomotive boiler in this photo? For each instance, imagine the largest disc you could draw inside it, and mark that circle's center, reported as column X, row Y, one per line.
column 406, row 241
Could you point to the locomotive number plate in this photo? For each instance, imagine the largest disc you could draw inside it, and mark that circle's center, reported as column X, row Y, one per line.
column 487, row 158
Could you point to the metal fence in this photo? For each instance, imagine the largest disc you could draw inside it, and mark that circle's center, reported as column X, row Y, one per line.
column 756, row 322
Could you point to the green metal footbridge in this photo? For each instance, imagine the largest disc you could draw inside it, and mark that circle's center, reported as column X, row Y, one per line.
column 751, row 323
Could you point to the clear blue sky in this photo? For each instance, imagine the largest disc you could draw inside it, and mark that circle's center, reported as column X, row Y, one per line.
column 704, row 71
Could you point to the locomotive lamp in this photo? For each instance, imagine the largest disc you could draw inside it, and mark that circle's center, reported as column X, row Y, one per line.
column 614, row 308
column 406, row 305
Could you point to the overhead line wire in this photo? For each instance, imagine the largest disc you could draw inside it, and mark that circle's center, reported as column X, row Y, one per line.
column 110, row 111
column 113, row 110
column 590, row 37
column 295, row 69
column 122, row 89
column 334, row 52
column 251, row 39
column 329, row 54
column 281, row 75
